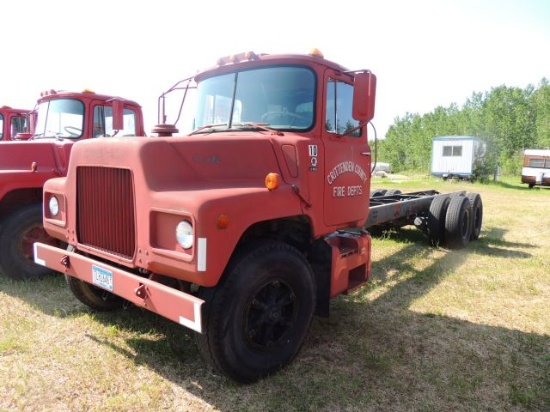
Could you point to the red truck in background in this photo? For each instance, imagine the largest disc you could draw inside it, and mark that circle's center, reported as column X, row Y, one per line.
column 59, row 120
column 248, row 226
column 12, row 122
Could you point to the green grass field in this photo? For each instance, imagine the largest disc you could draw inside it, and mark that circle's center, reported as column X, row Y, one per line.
column 434, row 330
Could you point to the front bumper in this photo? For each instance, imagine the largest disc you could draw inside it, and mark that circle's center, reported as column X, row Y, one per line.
column 173, row 304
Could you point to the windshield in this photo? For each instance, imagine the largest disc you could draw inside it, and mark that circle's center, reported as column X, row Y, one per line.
column 60, row 118
column 277, row 97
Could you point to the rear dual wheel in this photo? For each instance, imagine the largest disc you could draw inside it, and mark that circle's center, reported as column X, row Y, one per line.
column 450, row 221
column 458, row 222
column 477, row 214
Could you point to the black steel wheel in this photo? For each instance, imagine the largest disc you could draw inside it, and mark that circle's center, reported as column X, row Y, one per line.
column 19, row 231
column 477, row 214
column 257, row 317
column 458, row 222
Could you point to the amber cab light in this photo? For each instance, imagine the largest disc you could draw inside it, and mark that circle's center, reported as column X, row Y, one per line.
column 272, row 181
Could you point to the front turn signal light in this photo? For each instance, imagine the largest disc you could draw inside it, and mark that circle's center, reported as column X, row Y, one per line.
column 272, row 181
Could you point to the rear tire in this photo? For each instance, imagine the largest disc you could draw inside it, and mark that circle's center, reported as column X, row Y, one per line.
column 436, row 220
column 458, row 222
column 378, row 192
column 477, row 214
column 257, row 317
column 18, row 232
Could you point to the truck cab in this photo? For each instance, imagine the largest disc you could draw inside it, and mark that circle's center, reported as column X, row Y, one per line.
column 12, row 122
column 239, row 230
column 60, row 119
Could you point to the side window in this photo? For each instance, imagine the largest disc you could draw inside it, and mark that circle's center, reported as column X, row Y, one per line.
column 1, row 126
column 17, row 125
column 103, row 122
column 450, row 151
column 339, row 119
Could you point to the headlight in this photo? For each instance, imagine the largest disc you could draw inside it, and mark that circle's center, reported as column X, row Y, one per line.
column 184, row 234
column 54, row 206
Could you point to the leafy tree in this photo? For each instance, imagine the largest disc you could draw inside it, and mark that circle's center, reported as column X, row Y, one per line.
column 508, row 119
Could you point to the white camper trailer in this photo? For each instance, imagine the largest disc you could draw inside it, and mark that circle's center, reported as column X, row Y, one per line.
column 536, row 167
column 457, row 157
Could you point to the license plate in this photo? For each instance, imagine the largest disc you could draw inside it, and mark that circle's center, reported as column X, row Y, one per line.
column 102, row 278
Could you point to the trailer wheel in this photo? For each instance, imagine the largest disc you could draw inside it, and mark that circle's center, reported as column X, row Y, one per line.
column 257, row 317
column 477, row 214
column 18, row 232
column 436, row 220
column 393, row 192
column 458, row 222
column 92, row 296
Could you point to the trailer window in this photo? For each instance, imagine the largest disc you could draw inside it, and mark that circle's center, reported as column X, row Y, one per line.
column 339, row 119
column 538, row 163
column 451, row 151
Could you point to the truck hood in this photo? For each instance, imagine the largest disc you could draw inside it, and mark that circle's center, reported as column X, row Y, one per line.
column 44, row 155
column 190, row 162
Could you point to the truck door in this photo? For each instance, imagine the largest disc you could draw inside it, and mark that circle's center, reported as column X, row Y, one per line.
column 347, row 155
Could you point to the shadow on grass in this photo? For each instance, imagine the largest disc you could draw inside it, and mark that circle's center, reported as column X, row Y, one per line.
column 370, row 355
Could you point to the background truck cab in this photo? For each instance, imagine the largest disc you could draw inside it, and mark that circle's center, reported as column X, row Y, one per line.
column 60, row 119
column 12, row 122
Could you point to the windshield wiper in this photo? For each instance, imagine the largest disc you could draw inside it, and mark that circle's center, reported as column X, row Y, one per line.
column 208, row 126
column 256, row 126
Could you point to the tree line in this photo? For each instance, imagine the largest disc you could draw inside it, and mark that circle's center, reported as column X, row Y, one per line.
column 507, row 119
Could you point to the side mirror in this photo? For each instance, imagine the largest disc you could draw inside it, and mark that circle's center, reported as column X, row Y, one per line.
column 118, row 114
column 364, row 96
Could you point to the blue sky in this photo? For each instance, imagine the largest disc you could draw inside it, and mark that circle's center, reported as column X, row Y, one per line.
column 424, row 53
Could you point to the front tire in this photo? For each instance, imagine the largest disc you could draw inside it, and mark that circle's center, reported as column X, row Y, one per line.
column 257, row 317
column 19, row 231
column 92, row 296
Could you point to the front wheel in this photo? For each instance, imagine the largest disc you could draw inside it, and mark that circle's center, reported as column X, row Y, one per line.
column 19, row 231
column 257, row 317
column 92, row 296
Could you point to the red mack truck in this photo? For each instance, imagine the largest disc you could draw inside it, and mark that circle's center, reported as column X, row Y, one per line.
column 59, row 120
column 12, row 122
column 247, row 227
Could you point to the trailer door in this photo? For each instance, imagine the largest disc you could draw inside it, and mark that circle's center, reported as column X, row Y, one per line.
column 347, row 156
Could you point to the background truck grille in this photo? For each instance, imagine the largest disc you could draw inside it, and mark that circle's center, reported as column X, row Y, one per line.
column 105, row 209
